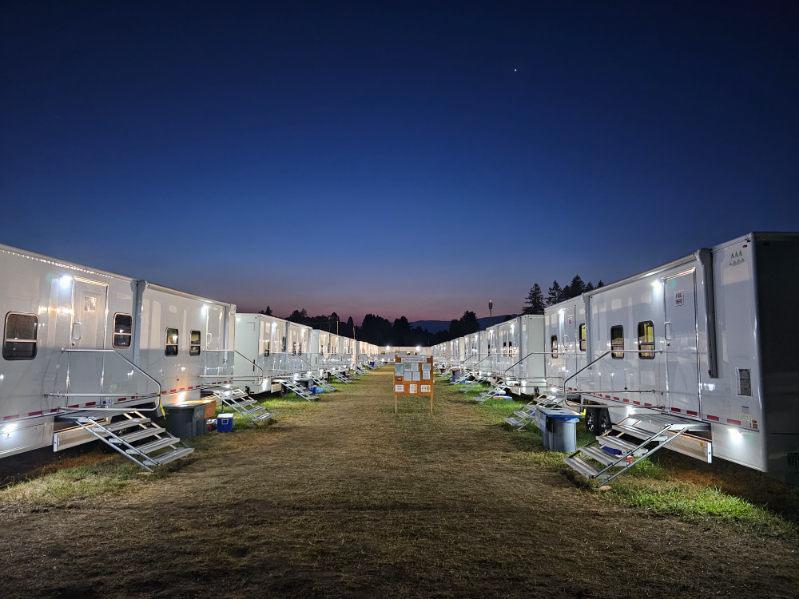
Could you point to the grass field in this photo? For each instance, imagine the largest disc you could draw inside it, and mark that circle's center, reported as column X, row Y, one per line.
column 342, row 497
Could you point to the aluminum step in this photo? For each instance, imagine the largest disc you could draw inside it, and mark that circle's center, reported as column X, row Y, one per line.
column 157, row 444
column 575, row 463
column 616, row 443
column 126, row 423
column 171, row 456
column 638, row 433
column 150, row 431
column 596, row 453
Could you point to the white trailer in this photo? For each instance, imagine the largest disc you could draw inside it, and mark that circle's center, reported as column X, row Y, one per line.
column 516, row 350
column 185, row 341
column 701, row 350
column 259, row 341
column 82, row 347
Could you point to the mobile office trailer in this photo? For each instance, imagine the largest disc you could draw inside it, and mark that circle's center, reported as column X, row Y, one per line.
column 516, row 347
column 365, row 352
column 259, row 341
column 185, row 341
column 455, row 352
column 566, row 340
column 707, row 339
column 439, row 352
column 296, row 347
column 476, row 352
column 77, row 339
column 67, row 342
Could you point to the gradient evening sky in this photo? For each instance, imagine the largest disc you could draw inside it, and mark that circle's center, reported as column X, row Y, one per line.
column 314, row 154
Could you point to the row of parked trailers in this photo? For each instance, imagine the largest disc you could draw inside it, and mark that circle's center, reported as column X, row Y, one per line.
column 701, row 351
column 83, row 345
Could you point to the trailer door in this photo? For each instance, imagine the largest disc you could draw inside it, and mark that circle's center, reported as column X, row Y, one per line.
column 86, row 370
column 681, row 356
column 88, row 315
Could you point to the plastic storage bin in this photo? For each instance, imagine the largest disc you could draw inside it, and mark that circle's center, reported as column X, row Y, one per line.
column 186, row 420
column 558, row 428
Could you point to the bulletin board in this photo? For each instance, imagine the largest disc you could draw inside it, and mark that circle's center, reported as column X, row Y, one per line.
column 413, row 377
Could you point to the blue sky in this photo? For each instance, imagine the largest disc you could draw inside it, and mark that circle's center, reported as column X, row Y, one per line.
column 304, row 154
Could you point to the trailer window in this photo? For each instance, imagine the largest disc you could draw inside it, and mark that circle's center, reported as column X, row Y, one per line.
column 123, row 330
column 553, row 346
column 582, row 336
column 19, row 340
column 617, row 342
column 171, row 346
column 195, row 343
column 646, row 340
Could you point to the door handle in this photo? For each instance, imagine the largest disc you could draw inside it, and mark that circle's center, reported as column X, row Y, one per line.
column 75, row 335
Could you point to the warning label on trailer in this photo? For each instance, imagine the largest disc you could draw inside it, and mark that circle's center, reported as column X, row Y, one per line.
column 679, row 298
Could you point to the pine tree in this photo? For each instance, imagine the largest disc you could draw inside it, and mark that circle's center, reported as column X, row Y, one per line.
column 554, row 294
column 589, row 286
column 576, row 287
column 534, row 302
column 600, row 284
column 267, row 312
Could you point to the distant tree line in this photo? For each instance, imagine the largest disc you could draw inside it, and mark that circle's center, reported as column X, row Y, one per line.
column 535, row 302
column 381, row 331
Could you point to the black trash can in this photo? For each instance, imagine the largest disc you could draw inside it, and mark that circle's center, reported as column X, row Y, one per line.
column 185, row 420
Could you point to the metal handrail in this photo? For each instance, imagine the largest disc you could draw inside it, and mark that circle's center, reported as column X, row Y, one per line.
column 76, row 350
column 616, row 351
column 540, row 353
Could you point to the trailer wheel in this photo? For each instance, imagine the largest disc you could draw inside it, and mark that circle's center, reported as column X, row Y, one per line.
column 591, row 418
column 604, row 423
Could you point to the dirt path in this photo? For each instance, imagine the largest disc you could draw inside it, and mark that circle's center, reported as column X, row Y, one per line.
column 348, row 499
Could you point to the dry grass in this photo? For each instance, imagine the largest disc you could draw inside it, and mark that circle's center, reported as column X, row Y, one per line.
column 345, row 498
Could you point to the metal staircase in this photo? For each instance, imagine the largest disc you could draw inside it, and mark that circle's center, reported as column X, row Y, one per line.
column 136, row 437
column 322, row 384
column 340, row 376
column 242, row 404
column 300, row 390
column 527, row 414
column 613, row 453
column 521, row 418
column 496, row 391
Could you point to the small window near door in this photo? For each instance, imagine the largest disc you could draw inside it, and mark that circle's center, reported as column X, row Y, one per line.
column 19, row 340
column 646, row 340
column 195, row 343
column 123, row 330
column 553, row 346
column 617, row 342
column 266, row 347
column 171, row 346
column 582, row 336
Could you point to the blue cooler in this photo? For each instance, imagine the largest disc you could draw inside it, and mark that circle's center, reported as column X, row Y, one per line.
column 224, row 423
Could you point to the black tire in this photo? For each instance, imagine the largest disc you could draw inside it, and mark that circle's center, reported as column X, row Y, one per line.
column 604, row 424
column 591, row 420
